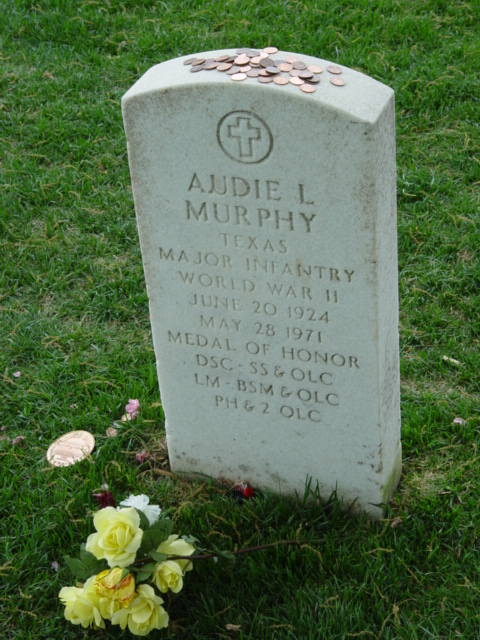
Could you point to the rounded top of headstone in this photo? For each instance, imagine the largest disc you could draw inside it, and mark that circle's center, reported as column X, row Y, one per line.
column 268, row 70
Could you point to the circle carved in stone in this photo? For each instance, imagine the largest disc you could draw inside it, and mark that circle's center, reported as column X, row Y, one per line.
column 244, row 137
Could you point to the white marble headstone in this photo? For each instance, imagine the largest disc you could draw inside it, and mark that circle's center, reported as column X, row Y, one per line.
column 267, row 219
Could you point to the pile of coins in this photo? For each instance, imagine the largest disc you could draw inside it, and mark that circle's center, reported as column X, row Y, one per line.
column 259, row 65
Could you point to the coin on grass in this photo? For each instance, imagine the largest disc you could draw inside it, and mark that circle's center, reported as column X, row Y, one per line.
column 70, row 448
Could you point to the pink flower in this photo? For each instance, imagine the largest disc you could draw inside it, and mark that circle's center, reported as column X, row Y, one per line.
column 141, row 457
column 132, row 409
column 18, row 440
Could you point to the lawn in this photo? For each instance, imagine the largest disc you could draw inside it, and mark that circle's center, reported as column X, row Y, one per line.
column 75, row 339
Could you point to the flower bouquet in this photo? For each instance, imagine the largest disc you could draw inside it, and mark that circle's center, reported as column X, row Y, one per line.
column 124, row 565
column 131, row 559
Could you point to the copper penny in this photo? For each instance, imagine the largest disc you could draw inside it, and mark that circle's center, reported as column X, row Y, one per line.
column 253, row 73
column 338, row 82
column 189, row 61
column 196, row 68
column 211, row 65
column 305, row 75
column 267, row 62
column 70, row 448
column 198, row 61
column 285, row 66
column 292, row 59
column 234, row 69
column 281, row 80
column 333, row 68
column 315, row 68
column 270, row 50
column 294, row 73
column 223, row 58
column 239, row 76
column 224, row 66
column 263, row 72
column 314, row 80
column 297, row 81
column 272, row 70
column 242, row 59
column 255, row 60
column 299, row 65
column 265, row 79
column 308, row 88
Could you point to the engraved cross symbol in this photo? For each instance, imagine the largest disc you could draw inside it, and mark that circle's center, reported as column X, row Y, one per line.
column 245, row 134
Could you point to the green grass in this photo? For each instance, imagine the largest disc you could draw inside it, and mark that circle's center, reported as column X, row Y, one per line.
column 74, row 322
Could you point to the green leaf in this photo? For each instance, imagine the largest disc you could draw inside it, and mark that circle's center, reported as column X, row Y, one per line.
column 144, row 573
column 158, row 557
column 77, row 567
column 226, row 555
column 144, row 522
column 154, row 536
column 91, row 562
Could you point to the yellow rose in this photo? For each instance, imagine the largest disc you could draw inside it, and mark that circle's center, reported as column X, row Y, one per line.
column 168, row 575
column 175, row 546
column 82, row 605
column 118, row 536
column 144, row 614
column 114, row 592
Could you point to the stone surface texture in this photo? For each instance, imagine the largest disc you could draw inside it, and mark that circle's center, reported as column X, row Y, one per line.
column 267, row 223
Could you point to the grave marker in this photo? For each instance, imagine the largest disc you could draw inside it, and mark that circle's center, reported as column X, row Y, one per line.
column 264, row 187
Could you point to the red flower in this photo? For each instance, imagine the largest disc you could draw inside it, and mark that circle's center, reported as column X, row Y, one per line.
column 247, row 493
